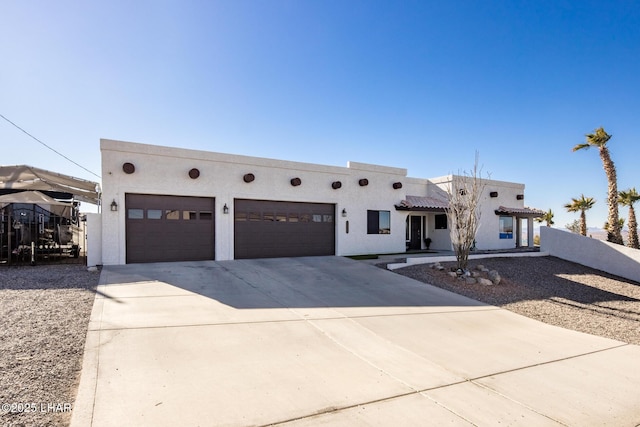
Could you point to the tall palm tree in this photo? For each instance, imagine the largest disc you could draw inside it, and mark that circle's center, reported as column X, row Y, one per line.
column 581, row 205
column 599, row 139
column 628, row 198
column 547, row 217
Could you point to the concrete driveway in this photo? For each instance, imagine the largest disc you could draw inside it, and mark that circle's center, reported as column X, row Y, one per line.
column 331, row 341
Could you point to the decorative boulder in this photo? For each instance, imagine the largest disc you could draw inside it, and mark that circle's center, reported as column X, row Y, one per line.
column 452, row 274
column 485, row 282
column 469, row 280
column 479, row 267
column 494, row 276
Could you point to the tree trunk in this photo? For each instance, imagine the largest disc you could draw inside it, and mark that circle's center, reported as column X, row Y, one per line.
column 614, row 235
column 633, row 229
column 583, row 223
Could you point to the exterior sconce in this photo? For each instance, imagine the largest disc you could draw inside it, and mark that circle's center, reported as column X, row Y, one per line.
column 296, row 181
column 194, row 173
column 344, row 212
column 225, row 209
column 336, row 184
column 493, row 194
column 397, row 185
column 363, row 182
column 248, row 177
column 520, row 196
column 114, row 206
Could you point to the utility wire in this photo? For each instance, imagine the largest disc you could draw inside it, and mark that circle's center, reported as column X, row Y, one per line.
column 50, row 148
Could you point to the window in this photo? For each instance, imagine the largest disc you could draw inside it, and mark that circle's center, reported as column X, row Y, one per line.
column 189, row 215
column 172, row 214
column 135, row 214
column 206, row 215
column 154, row 214
column 241, row 216
column 378, row 222
column 506, row 227
column 441, row 222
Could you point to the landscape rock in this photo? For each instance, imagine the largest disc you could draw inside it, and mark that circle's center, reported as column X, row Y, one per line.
column 452, row 274
column 485, row 282
column 494, row 276
column 469, row 280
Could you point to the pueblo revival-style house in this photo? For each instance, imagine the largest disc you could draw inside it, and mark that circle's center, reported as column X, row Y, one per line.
column 173, row 204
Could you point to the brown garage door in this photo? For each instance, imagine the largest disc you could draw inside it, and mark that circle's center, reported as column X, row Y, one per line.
column 169, row 228
column 268, row 229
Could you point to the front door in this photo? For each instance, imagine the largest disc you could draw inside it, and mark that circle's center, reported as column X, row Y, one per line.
column 415, row 241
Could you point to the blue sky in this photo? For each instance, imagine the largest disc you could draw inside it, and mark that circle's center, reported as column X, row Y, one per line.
column 421, row 85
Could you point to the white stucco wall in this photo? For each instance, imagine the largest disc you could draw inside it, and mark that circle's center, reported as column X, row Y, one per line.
column 614, row 259
column 94, row 239
column 164, row 171
column 488, row 237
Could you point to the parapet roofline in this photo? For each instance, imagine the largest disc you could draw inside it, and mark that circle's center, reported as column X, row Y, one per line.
column 187, row 153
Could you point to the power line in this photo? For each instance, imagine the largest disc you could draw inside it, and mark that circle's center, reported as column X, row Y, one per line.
column 50, row 148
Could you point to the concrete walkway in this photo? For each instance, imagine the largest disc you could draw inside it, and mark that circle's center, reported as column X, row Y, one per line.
column 332, row 341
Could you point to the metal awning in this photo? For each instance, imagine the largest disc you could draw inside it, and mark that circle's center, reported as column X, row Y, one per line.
column 520, row 212
column 23, row 177
column 37, row 198
column 422, row 203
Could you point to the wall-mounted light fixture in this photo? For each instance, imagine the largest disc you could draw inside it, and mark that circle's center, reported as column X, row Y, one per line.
column 344, row 212
column 493, row 194
column 225, row 209
column 520, row 196
column 114, row 206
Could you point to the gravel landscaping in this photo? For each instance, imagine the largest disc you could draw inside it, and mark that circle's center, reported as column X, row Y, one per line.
column 45, row 312
column 553, row 291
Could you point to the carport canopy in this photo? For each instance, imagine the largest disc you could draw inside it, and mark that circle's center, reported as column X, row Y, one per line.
column 23, row 177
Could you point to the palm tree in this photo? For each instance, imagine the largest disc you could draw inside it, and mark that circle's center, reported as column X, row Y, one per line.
column 628, row 198
column 581, row 205
column 599, row 139
column 547, row 217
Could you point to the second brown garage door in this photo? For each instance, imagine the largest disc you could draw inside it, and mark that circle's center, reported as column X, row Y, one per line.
column 169, row 228
column 271, row 229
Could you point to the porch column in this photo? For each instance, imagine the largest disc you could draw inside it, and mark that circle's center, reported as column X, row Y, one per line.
column 530, row 232
column 518, row 232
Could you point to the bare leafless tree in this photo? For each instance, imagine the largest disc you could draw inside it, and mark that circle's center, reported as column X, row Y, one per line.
column 463, row 213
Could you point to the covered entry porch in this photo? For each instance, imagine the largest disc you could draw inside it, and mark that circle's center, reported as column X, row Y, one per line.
column 520, row 215
column 426, row 223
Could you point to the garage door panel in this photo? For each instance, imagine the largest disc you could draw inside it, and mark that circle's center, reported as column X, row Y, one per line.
column 283, row 229
column 169, row 228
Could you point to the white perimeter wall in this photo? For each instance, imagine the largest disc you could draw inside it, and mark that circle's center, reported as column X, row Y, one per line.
column 94, row 239
column 611, row 258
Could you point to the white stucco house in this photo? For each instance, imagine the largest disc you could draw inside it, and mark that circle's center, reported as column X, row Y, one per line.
column 173, row 204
